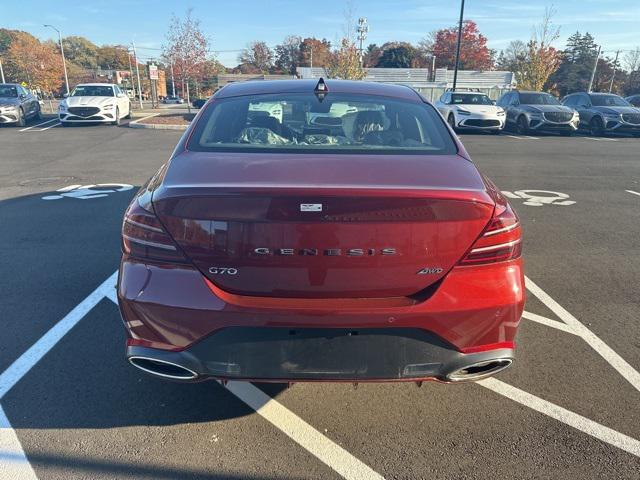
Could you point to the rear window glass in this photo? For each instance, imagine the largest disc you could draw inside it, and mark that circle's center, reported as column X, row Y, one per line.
column 466, row 99
column 299, row 123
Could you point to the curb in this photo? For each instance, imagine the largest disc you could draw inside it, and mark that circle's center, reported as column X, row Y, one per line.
column 136, row 124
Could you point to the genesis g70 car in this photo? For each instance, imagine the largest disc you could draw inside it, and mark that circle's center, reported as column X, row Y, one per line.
column 320, row 231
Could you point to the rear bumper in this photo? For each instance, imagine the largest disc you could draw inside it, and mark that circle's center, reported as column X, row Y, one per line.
column 171, row 313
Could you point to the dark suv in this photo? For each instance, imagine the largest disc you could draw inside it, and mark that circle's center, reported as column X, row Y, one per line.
column 537, row 111
column 602, row 113
column 17, row 104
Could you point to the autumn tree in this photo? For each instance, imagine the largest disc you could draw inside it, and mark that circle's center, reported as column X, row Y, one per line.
column 512, row 57
column 288, row 54
column 474, row 53
column 257, row 55
column 186, row 48
column 345, row 62
column 80, row 51
column 315, row 52
column 371, row 55
column 38, row 63
column 542, row 59
column 398, row 55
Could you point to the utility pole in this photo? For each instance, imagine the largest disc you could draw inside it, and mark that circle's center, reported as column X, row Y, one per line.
column 433, row 68
column 615, row 63
column 595, row 67
column 133, row 85
column 64, row 63
column 311, row 53
column 1, row 72
column 173, row 82
column 362, row 30
column 135, row 56
column 455, row 71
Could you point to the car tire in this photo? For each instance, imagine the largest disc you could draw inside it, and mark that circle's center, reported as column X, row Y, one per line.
column 22, row 121
column 596, row 127
column 116, row 122
column 451, row 120
column 522, row 125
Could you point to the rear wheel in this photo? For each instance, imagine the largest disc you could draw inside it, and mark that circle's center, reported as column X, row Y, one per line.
column 21, row 120
column 451, row 120
column 596, row 128
column 522, row 125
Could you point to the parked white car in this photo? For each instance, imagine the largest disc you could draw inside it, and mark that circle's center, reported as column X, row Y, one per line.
column 471, row 110
column 95, row 102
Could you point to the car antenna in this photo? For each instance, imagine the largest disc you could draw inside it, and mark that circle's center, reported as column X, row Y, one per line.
column 321, row 89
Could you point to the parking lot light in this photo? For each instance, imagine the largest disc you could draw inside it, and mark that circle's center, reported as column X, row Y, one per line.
column 64, row 63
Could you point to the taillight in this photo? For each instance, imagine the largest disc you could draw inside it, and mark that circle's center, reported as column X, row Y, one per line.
column 501, row 239
column 144, row 237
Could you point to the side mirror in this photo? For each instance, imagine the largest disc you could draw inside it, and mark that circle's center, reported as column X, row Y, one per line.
column 65, row 95
column 493, row 102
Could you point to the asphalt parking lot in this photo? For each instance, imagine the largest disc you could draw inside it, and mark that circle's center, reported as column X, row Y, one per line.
column 71, row 407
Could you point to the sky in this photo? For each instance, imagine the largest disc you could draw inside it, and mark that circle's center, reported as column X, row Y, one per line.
column 231, row 25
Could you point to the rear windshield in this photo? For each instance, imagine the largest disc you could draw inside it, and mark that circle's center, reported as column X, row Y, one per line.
column 340, row 123
column 466, row 99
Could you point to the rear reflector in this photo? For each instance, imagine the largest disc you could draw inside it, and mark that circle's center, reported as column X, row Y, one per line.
column 501, row 239
column 144, row 237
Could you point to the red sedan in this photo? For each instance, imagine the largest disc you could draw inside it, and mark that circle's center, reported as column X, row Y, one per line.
column 320, row 231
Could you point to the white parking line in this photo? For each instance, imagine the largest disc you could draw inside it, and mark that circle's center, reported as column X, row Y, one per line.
column 606, row 352
column 38, row 124
column 13, row 462
column 634, row 193
column 523, row 137
column 20, row 367
column 12, row 456
column 601, row 139
column 605, row 434
column 331, row 454
column 548, row 322
column 51, row 126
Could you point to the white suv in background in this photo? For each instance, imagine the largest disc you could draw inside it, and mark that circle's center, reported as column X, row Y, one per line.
column 95, row 102
column 471, row 110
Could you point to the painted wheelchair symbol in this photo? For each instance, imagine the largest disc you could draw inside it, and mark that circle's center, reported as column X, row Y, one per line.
column 538, row 198
column 86, row 192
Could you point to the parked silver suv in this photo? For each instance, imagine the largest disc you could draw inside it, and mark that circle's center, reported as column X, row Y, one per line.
column 537, row 111
column 17, row 104
column 601, row 113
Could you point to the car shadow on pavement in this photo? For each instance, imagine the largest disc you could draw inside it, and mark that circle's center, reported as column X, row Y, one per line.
column 60, row 252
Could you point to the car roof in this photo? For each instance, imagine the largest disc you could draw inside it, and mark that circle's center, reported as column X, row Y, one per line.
column 10, row 84
column 261, row 87
column 531, row 91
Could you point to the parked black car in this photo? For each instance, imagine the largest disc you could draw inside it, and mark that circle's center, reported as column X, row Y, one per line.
column 537, row 111
column 198, row 102
column 17, row 104
column 634, row 100
column 602, row 113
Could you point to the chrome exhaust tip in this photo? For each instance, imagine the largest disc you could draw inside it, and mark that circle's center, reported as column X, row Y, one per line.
column 479, row 370
column 162, row 368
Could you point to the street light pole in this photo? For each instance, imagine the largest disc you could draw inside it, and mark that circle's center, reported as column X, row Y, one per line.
column 455, row 71
column 595, row 67
column 64, row 62
column 1, row 72
column 135, row 56
column 613, row 76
